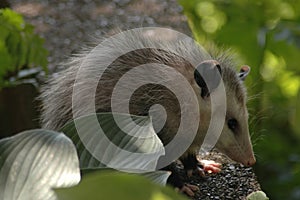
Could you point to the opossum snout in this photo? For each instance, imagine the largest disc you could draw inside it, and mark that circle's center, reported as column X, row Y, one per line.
column 250, row 162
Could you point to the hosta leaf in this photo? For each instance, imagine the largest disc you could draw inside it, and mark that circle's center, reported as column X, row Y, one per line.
column 33, row 162
column 130, row 145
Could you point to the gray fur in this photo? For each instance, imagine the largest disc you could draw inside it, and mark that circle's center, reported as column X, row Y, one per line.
column 57, row 93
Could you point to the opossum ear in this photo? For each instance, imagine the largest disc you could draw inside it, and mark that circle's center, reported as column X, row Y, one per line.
column 208, row 75
column 244, row 71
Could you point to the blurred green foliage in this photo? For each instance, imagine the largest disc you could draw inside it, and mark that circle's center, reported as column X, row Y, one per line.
column 266, row 36
column 112, row 185
column 20, row 47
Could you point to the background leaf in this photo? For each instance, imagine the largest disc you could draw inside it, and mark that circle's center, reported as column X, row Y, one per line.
column 258, row 195
column 265, row 35
column 116, row 185
column 20, row 47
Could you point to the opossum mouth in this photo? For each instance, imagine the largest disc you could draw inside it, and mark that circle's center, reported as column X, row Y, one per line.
column 247, row 159
column 235, row 152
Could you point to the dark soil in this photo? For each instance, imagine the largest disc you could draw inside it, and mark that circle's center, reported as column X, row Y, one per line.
column 70, row 24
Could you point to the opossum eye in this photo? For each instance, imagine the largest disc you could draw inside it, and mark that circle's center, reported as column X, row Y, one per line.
column 232, row 124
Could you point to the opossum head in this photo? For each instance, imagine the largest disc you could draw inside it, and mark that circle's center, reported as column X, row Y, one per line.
column 234, row 140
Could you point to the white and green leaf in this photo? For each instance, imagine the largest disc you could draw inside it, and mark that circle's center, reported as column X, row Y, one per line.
column 119, row 141
column 33, row 162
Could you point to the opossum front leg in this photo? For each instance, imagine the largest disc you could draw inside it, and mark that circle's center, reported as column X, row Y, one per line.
column 177, row 182
column 192, row 164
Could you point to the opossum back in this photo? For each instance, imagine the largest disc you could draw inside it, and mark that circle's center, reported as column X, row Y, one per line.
column 99, row 70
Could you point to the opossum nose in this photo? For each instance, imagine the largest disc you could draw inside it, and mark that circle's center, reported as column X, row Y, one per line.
column 251, row 162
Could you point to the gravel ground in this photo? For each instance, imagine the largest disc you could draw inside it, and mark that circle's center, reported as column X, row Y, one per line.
column 233, row 182
column 67, row 25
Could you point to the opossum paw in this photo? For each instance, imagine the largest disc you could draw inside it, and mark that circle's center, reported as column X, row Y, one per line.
column 203, row 166
column 198, row 171
column 188, row 189
column 177, row 182
column 210, row 166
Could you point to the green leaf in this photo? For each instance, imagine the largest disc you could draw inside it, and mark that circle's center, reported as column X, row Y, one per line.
column 41, row 54
column 258, row 195
column 36, row 55
column 23, row 47
column 158, row 177
column 287, row 50
column 33, row 162
column 137, row 149
column 20, row 47
column 296, row 120
column 246, row 42
column 6, row 60
column 12, row 44
column 116, row 185
column 12, row 18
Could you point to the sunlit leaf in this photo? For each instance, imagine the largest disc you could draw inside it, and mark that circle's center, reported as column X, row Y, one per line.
column 13, row 18
column 20, row 47
column 280, row 46
column 33, row 162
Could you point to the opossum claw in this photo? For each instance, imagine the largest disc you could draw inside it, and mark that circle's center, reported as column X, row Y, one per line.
column 188, row 189
column 193, row 164
column 199, row 170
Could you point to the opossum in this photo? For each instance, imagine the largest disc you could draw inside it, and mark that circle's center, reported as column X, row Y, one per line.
column 183, row 57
